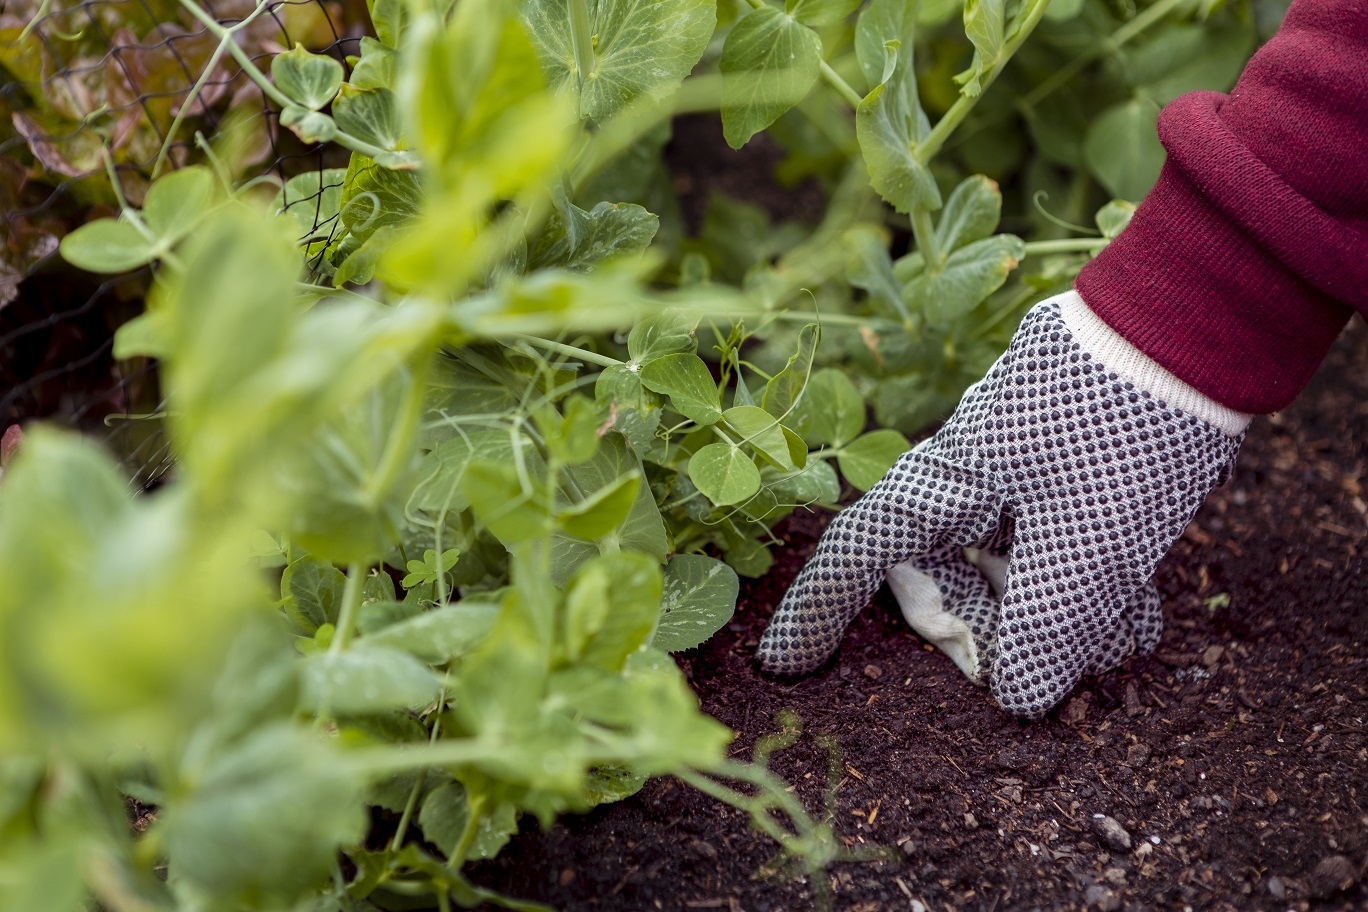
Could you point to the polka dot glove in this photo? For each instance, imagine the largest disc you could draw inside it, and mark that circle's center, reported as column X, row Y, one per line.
column 952, row 596
column 1078, row 458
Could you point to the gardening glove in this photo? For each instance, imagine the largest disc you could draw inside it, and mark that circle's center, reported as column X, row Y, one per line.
column 951, row 598
column 1098, row 459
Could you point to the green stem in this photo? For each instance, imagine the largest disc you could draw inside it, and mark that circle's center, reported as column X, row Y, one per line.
column 843, row 88
column 824, row 319
column 925, row 234
column 397, row 448
column 582, row 39
column 402, row 830
column 187, row 103
column 1065, row 245
column 806, row 840
column 1002, row 313
column 569, row 350
column 117, row 186
column 474, row 804
column 244, row 59
column 166, row 255
column 927, row 148
column 351, row 604
column 756, row 807
column 39, row 16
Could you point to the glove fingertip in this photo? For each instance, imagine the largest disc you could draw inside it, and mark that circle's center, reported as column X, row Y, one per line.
column 796, row 642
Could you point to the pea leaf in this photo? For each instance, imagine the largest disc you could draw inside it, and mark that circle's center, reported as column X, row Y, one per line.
column 763, row 433
column 602, row 511
column 867, row 459
column 699, row 597
column 642, row 529
column 769, row 63
column 971, row 213
column 177, row 202
column 342, row 512
column 497, row 496
column 107, row 246
column 821, row 12
column 685, row 379
column 833, row 409
column 635, row 410
column 784, row 388
column 571, row 435
column 310, row 126
column 366, row 678
column 970, row 274
column 440, row 471
column 890, row 122
column 457, row 388
column 747, row 556
column 313, row 200
column 442, row 634
column 430, row 568
column 882, row 22
column 374, row 197
column 724, row 474
column 444, row 814
column 606, row 784
column 378, row 587
column 871, row 269
column 145, row 335
column 481, row 114
column 369, row 115
column 814, row 483
column 638, row 48
column 611, row 606
column 389, row 19
column 1122, row 148
column 576, row 239
column 667, row 333
column 985, row 26
column 1113, row 218
column 311, row 593
column 375, row 69
column 1187, row 58
column 311, row 80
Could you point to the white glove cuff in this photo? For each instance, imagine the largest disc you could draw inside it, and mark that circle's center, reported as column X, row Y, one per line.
column 1125, row 360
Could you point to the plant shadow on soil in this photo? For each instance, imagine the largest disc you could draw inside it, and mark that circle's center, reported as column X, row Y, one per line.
column 1235, row 758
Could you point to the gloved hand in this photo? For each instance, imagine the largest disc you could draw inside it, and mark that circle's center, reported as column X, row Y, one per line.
column 1081, row 452
column 951, row 597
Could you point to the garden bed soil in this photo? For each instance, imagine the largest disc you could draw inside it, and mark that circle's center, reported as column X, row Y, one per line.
column 1235, row 758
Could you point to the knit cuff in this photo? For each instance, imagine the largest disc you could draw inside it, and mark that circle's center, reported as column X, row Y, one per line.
column 1125, row 360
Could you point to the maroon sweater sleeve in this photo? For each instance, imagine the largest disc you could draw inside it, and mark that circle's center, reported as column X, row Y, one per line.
column 1251, row 252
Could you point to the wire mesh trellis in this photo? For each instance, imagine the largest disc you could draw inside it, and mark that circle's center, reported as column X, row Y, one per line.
column 132, row 87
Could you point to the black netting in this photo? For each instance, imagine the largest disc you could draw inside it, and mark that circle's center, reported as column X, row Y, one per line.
column 137, row 87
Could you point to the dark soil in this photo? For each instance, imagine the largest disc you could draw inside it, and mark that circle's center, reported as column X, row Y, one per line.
column 1236, row 758
column 703, row 166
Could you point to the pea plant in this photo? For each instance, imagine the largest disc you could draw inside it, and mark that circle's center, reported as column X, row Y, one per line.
column 469, row 440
